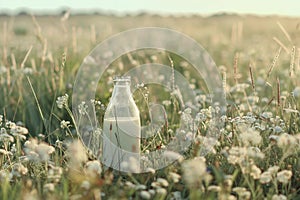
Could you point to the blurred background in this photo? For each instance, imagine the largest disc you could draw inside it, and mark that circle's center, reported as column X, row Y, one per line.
column 43, row 43
column 275, row 7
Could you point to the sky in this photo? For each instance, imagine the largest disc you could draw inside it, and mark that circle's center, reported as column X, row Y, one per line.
column 205, row 7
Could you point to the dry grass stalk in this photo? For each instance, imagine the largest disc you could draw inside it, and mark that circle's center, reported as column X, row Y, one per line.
column 240, row 31
column 26, row 57
column 173, row 72
column 292, row 62
column 74, row 40
column 224, row 83
column 33, row 65
column 287, row 35
column 235, row 67
column 45, row 46
column 278, row 92
column 5, row 42
column 281, row 44
column 274, row 62
column 297, row 60
column 93, row 33
column 38, row 29
column 251, row 77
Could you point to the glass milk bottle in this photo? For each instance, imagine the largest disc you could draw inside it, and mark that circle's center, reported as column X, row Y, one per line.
column 122, row 129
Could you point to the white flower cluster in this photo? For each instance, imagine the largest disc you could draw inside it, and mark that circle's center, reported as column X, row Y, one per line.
column 62, row 101
column 194, row 172
column 10, row 131
column 36, row 151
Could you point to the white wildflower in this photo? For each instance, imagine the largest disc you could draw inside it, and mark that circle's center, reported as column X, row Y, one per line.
column 171, row 155
column 150, row 170
column 266, row 115
column 145, row 195
column 167, row 102
column 265, row 177
column 245, row 195
column 239, row 87
column 82, row 108
column 62, row 101
column 155, row 184
column 286, row 141
column 27, row 70
column 85, row 185
column 19, row 170
column 249, row 135
column 277, row 129
column 4, row 152
column 163, row 182
column 5, row 176
column 296, row 92
column 4, row 137
column 279, row 197
column 284, row 176
column 273, row 138
column 273, row 170
column 255, row 172
column 214, row 188
column 242, row 192
column 64, row 124
column 175, row 177
column 49, row 187
column 255, row 152
column 44, row 150
column 239, row 190
column 132, row 165
column 54, row 173
column 194, row 171
column 161, row 191
column 236, row 155
column 19, row 132
column 77, row 154
column 3, row 70
column 129, row 184
column 93, row 168
column 176, row 195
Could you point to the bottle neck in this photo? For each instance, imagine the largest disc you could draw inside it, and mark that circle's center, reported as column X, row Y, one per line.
column 121, row 91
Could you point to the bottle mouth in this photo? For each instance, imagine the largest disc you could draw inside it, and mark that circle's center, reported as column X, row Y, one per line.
column 122, row 80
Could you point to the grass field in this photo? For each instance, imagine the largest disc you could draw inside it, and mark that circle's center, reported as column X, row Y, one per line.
column 257, row 154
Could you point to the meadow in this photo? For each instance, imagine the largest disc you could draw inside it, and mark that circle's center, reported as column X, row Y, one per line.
column 258, row 149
